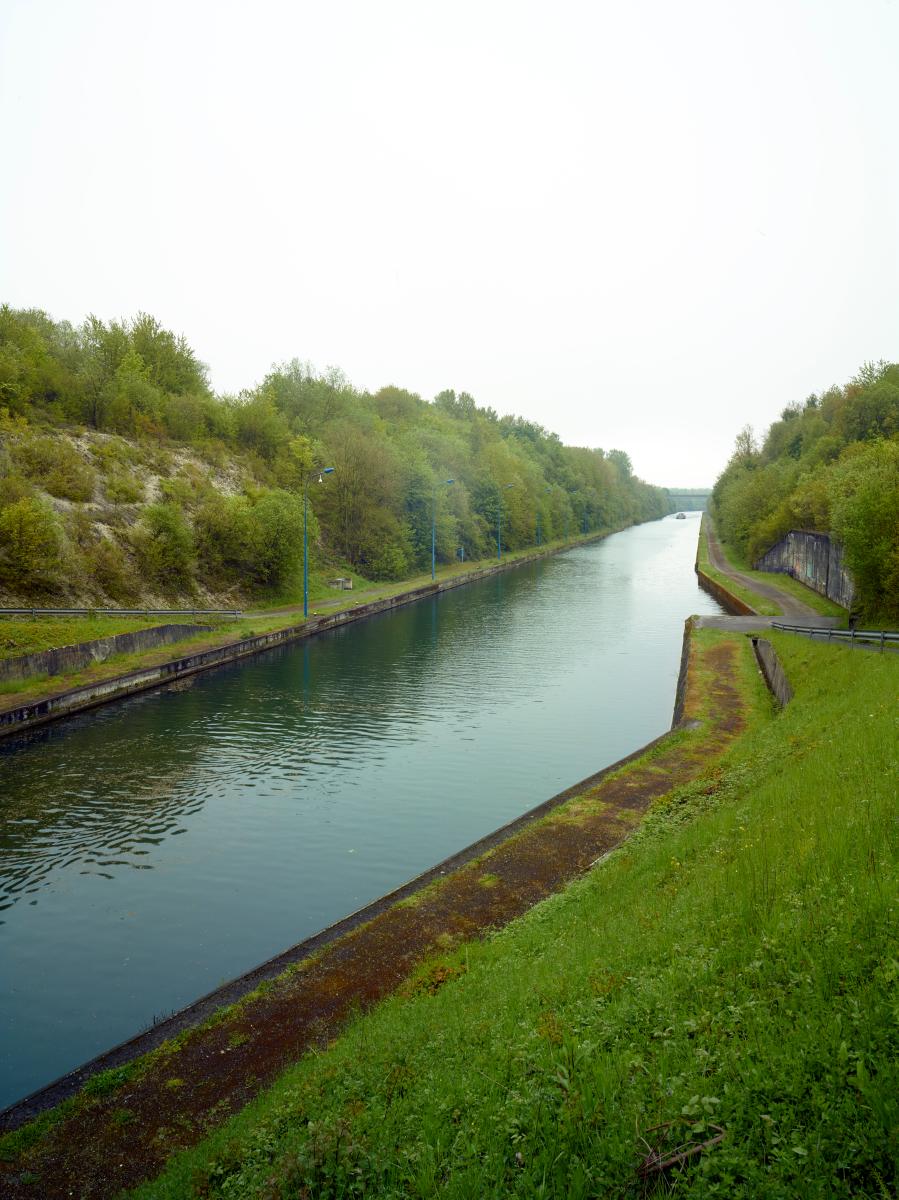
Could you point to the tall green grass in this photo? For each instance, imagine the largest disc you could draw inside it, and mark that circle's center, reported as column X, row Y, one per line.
column 724, row 987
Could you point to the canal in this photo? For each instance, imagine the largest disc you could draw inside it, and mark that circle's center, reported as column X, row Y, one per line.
column 158, row 847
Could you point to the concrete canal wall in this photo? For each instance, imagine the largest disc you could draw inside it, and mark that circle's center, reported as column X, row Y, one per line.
column 816, row 560
column 772, row 671
column 84, row 654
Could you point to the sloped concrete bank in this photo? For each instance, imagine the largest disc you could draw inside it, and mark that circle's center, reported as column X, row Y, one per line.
column 25, row 717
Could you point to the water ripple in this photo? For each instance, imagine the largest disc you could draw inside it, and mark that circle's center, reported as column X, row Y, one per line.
column 165, row 843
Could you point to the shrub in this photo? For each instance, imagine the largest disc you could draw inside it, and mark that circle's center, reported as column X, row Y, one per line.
column 277, row 537
column 57, row 466
column 30, row 544
column 109, row 569
column 123, row 489
column 165, row 544
column 13, row 487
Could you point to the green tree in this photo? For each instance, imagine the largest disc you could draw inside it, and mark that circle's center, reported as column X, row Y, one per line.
column 864, row 505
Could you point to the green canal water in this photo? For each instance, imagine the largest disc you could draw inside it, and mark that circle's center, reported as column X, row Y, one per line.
column 155, row 848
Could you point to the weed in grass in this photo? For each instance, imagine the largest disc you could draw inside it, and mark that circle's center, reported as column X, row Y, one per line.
column 107, row 1082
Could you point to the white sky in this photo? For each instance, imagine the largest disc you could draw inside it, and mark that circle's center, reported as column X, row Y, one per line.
column 641, row 224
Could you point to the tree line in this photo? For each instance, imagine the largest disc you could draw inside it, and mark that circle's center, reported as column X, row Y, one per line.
column 829, row 464
column 140, row 392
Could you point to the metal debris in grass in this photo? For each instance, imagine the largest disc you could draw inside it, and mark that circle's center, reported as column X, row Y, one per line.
column 661, row 1158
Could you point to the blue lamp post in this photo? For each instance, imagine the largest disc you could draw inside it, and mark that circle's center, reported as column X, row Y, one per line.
column 320, row 476
column 499, row 519
column 446, row 483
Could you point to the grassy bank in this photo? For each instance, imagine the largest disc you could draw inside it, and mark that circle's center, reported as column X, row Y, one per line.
column 759, row 604
column 720, row 994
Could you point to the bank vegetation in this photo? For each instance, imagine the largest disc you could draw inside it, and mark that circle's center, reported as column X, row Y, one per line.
column 829, row 464
column 123, row 477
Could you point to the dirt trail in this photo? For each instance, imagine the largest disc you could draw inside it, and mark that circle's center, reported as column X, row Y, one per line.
column 116, row 1141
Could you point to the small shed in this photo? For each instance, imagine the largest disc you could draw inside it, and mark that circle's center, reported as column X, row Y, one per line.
column 341, row 582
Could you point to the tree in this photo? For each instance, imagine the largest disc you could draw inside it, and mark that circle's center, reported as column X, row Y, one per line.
column 864, row 505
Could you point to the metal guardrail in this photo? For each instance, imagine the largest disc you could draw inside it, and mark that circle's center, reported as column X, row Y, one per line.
column 120, row 612
column 860, row 637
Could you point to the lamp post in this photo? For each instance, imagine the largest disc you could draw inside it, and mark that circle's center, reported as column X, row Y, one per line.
column 446, row 483
column 499, row 518
column 320, row 476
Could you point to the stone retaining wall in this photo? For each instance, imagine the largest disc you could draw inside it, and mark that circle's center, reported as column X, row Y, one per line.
column 84, row 654
column 816, row 560
column 729, row 602
column 773, row 671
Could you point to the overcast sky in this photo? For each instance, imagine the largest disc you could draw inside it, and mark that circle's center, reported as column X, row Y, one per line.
column 641, row 224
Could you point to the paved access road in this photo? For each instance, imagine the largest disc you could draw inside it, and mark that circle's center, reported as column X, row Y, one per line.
column 793, row 611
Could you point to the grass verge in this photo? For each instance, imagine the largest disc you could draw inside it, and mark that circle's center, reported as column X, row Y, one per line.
column 712, row 1011
column 27, row 635
column 760, row 604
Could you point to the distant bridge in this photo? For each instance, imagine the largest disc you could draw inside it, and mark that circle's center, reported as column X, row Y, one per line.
column 688, row 498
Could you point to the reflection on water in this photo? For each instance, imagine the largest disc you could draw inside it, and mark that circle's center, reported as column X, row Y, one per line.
column 155, row 848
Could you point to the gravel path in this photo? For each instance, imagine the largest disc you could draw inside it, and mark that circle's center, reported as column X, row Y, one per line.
column 793, row 611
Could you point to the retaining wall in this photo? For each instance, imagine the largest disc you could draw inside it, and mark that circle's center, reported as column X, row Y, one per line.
column 773, row 671
column 84, row 654
column 816, row 560
column 729, row 602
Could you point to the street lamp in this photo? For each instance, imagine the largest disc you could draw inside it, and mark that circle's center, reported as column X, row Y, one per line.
column 499, row 516
column 446, row 482
column 320, row 476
